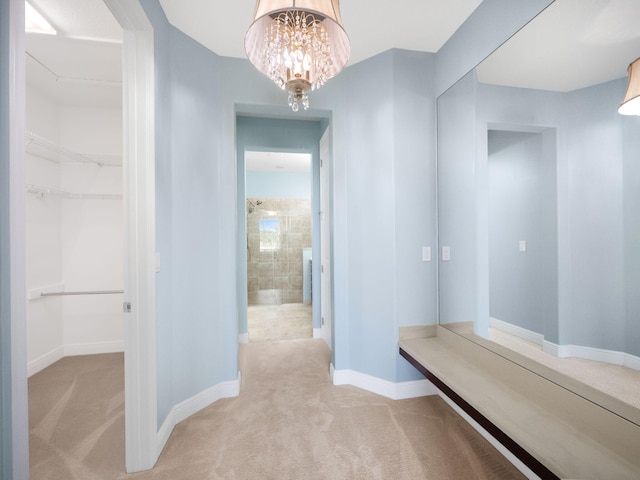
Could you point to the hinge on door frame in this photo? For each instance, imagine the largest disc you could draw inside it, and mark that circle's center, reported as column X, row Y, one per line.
column 126, row 307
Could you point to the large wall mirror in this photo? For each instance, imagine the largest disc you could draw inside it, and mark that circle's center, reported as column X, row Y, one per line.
column 539, row 202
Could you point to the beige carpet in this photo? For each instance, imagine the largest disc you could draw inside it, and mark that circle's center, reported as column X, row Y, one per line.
column 76, row 419
column 289, row 422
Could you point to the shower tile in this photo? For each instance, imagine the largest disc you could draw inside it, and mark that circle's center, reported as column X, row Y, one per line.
column 281, row 268
column 265, row 270
column 281, row 283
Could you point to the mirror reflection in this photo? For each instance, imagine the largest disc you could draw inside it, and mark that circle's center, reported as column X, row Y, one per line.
column 539, row 201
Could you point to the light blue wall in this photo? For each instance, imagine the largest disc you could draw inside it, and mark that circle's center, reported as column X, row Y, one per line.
column 457, row 202
column 371, row 214
column 631, row 200
column 388, row 220
column 595, row 224
column 415, row 194
column 527, row 110
column 594, row 149
column 6, row 379
column 278, row 185
column 381, row 114
column 522, row 206
column 196, row 328
column 198, row 95
column 255, row 133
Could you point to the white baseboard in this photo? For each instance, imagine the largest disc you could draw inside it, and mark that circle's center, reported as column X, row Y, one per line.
column 317, row 333
column 526, row 471
column 243, row 338
column 393, row 390
column 520, row 332
column 632, row 361
column 93, row 348
column 192, row 405
column 42, row 362
column 589, row 353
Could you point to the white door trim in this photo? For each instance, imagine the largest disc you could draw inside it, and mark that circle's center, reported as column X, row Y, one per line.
column 141, row 423
column 14, row 435
column 326, row 293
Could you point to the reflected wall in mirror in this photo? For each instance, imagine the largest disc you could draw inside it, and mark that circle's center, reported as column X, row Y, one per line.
column 539, row 200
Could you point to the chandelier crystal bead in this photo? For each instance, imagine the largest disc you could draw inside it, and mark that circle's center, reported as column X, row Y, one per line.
column 298, row 44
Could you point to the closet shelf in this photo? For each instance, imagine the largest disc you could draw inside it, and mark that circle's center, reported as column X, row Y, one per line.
column 43, row 148
column 52, row 192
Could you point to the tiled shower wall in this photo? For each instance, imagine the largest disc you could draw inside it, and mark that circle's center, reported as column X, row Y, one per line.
column 274, row 261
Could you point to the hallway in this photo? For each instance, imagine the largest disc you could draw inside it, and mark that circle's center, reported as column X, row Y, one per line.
column 288, row 321
column 289, row 422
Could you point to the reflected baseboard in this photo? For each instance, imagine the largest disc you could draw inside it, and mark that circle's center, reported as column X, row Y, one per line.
column 520, row 332
column 568, row 351
column 595, row 354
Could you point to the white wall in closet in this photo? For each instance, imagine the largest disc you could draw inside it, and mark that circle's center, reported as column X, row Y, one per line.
column 74, row 244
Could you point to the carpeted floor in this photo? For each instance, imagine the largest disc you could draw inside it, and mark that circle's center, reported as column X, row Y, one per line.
column 76, row 419
column 289, row 422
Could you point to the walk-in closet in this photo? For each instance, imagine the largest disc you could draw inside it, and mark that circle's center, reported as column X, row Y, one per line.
column 74, row 237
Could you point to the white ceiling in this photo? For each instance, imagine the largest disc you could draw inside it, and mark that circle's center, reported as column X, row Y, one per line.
column 277, row 162
column 574, row 43
column 373, row 26
column 82, row 64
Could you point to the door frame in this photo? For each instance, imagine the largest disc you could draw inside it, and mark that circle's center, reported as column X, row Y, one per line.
column 139, row 176
column 141, row 395
column 326, row 254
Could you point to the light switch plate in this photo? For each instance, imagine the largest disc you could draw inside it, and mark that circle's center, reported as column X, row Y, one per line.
column 446, row 253
column 522, row 245
column 426, row 254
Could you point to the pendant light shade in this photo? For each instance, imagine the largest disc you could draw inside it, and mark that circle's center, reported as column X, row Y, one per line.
column 299, row 44
column 631, row 103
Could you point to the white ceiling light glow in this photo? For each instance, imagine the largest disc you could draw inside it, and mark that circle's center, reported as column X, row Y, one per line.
column 299, row 44
column 34, row 22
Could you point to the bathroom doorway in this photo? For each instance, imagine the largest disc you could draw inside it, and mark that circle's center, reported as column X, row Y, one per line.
column 279, row 238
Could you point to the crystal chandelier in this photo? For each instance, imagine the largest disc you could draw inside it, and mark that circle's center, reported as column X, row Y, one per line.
column 631, row 103
column 299, row 44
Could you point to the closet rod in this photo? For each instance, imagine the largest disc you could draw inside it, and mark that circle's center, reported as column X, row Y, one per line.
column 89, row 292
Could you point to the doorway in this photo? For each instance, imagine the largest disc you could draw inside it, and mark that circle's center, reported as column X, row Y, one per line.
column 139, row 223
column 278, row 136
column 279, row 251
column 75, row 241
column 522, row 239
